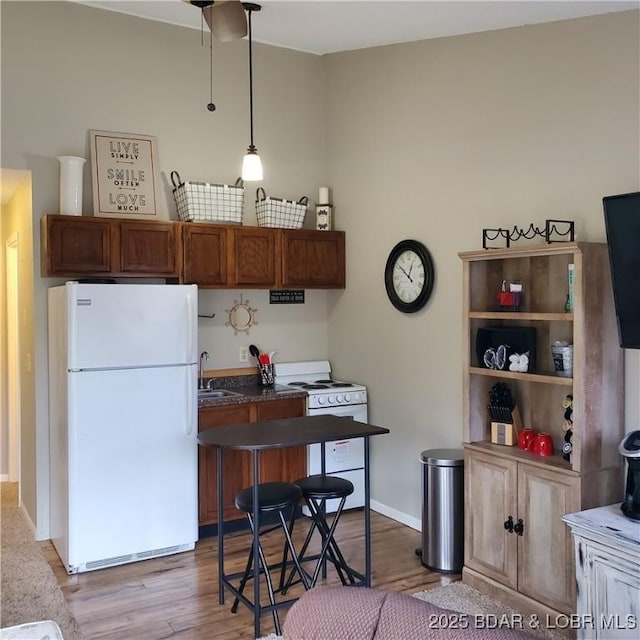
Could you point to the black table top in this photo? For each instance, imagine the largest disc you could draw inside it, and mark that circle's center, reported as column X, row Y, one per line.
column 288, row 432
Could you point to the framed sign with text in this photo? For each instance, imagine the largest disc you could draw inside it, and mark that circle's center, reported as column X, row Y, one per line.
column 124, row 175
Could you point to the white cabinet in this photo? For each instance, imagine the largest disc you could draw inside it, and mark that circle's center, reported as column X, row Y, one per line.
column 607, row 556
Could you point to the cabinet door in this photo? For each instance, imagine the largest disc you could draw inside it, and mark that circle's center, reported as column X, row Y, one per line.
column 254, row 257
column 614, row 590
column 204, row 250
column 546, row 570
column 237, row 465
column 290, row 463
column 75, row 245
column 490, row 498
column 313, row 259
column 148, row 248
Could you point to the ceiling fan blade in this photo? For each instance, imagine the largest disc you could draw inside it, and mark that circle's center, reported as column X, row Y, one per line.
column 227, row 20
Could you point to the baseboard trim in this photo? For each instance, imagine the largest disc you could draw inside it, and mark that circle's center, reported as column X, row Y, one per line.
column 396, row 515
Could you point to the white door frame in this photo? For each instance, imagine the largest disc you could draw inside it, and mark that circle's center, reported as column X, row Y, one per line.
column 14, row 415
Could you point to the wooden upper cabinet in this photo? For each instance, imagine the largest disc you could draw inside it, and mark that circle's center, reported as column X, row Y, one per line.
column 86, row 246
column 148, row 248
column 209, row 255
column 253, row 257
column 73, row 245
column 204, row 251
column 313, row 259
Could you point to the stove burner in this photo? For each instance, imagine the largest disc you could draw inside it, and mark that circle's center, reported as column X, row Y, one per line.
column 334, row 383
column 314, row 386
column 296, row 384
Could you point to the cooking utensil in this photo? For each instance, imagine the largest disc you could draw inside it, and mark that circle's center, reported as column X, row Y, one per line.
column 254, row 351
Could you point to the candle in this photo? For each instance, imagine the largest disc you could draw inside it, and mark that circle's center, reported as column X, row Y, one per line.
column 323, row 195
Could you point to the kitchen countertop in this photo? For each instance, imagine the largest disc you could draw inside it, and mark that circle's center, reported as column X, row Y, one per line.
column 249, row 391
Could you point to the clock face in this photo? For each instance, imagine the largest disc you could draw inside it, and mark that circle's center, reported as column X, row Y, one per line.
column 409, row 276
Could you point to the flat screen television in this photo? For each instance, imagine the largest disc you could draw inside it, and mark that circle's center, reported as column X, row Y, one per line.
column 622, row 223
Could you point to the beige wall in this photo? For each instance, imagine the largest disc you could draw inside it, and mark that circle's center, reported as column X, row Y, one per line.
column 69, row 68
column 432, row 140
column 436, row 140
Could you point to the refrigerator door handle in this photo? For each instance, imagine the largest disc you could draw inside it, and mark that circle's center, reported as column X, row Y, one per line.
column 191, row 319
column 190, row 408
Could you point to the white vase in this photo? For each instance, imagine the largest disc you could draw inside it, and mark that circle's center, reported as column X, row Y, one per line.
column 71, row 185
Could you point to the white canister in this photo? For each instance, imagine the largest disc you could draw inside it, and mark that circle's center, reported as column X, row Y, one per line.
column 562, row 353
column 71, row 185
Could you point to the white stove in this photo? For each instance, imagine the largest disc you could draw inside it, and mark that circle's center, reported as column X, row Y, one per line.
column 323, row 391
column 325, row 395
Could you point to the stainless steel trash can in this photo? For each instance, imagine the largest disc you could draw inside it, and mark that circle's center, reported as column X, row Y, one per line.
column 443, row 509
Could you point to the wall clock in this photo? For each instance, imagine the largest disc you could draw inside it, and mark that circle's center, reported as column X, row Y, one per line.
column 409, row 276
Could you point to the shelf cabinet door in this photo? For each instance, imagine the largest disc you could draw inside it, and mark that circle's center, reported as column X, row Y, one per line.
column 254, row 257
column 237, row 466
column 546, row 570
column 75, row 245
column 313, row 259
column 148, row 248
column 204, row 249
column 491, row 497
column 290, row 463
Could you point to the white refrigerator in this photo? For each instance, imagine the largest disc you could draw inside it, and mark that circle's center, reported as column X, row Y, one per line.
column 123, row 422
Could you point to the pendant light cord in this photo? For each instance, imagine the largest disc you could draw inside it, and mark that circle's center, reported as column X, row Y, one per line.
column 211, row 106
column 250, row 11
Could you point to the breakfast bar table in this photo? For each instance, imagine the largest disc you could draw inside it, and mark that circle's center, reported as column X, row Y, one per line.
column 275, row 434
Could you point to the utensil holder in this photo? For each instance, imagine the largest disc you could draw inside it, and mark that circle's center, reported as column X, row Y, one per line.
column 265, row 375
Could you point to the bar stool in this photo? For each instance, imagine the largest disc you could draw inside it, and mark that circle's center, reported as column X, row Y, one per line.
column 316, row 490
column 280, row 497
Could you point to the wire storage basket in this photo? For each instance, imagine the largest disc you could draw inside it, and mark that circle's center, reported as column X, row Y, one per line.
column 276, row 212
column 206, row 202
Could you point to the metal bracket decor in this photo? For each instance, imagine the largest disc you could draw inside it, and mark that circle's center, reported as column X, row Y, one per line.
column 511, row 235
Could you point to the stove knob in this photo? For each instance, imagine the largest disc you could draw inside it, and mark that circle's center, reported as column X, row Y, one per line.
column 357, row 397
column 331, row 399
column 347, row 397
column 320, row 400
column 340, row 398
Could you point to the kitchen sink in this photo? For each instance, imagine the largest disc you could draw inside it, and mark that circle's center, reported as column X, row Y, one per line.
column 204, row 394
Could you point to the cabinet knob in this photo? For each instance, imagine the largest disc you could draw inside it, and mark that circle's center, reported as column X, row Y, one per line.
column 508, row 524
column 519, row 527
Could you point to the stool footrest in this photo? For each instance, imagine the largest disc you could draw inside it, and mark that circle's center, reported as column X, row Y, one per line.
column 265, row 608
column 316, row 557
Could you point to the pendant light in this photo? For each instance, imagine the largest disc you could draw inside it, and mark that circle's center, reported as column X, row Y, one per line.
column 251, row 165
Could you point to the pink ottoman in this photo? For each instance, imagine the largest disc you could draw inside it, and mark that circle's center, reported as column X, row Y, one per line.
column 356, row 613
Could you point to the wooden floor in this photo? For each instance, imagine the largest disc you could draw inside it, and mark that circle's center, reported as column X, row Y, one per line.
column 177, row 596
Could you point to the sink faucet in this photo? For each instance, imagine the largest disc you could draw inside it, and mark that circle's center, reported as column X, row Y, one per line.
column 204, row 357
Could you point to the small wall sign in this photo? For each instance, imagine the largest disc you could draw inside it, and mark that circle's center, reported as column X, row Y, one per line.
column 124, row 175
column 286, row 296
